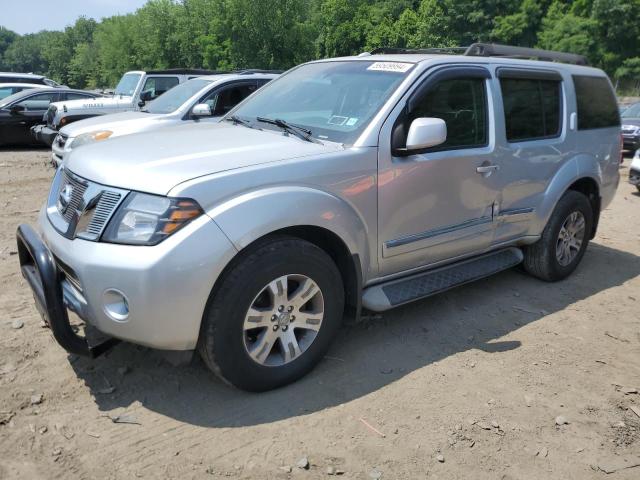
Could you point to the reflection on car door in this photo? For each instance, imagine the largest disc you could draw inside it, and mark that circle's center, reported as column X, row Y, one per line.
column 434, row 204
column 17, row 128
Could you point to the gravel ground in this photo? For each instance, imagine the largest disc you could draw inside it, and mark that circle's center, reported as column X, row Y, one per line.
column 507, row 378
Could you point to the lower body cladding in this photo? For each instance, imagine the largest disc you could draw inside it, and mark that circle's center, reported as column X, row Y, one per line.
column 153, row 296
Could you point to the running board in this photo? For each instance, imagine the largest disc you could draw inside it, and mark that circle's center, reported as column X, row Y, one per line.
column 397, row 292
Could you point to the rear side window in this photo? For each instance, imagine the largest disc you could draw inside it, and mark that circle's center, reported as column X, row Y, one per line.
column 532, row 108
column 597, row 107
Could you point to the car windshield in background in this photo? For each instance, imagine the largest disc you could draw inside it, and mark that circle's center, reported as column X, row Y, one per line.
column 335, row 100
column 127, row 84
column 11, row 98
column 173, row 99
column 632, row 112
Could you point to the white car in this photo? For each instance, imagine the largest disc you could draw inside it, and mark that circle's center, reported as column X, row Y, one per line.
column 199, row 99
column 7, row 89
column 634, row 171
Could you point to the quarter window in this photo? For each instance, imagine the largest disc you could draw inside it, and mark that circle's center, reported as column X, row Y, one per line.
column 531, row 108
column 597, row 107
column 462, row 104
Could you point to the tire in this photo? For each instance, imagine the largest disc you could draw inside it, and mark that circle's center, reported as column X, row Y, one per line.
column 256, row 278
column 541, row 259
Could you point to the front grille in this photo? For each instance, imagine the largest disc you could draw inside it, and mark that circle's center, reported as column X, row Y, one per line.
column 51, row 115
column 102, row 213
column 77, row 194
column 68, row 273
column 89, row 207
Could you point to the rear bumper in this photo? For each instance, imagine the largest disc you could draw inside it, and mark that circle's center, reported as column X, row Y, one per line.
column 43, row 134
column 41, row 273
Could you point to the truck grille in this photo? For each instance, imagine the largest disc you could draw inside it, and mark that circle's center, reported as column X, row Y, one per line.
column 78, row 208
column 102, row 213
column 77, row 194
column 51, row 115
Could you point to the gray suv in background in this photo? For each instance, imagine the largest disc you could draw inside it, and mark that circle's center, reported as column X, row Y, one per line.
column 202, row 99
column 367, row 181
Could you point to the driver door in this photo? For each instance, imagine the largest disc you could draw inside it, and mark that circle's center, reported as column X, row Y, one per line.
column 18, row 123
column 434, row 205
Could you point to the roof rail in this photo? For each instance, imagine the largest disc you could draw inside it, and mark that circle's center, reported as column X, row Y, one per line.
column 185, row 71
column 508, row 51
column 489, row 50
column 419, row 51
column 249, row 71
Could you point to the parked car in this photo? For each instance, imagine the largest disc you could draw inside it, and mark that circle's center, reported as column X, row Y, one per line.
column 134, row 89
column 12, row 77
column 199, row 99
column 634, row 170
column 367, row 181
column 7, row 89
column 20, row 111
column 631, row 127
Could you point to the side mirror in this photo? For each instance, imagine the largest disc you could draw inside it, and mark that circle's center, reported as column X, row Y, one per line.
column 426, row 132
column 144, row 98
column 16, row 109
column 201, row 110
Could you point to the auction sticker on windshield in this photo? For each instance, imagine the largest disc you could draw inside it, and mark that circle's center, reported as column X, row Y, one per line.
column 398, row 67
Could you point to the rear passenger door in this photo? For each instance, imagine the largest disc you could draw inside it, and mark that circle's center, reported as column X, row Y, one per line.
column 532, row 131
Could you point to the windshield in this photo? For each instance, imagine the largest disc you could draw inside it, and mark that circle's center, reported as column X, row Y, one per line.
column 335, row 100
column 127, row 84
column 173, row 99
column 632, row 112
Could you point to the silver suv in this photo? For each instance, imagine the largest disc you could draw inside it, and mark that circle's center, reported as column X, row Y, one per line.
column 367, row 181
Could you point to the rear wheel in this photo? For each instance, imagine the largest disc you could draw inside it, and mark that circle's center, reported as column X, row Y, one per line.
column 564, row 240
column 273, row 315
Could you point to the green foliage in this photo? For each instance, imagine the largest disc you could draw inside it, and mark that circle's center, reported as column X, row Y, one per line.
column 277, row 34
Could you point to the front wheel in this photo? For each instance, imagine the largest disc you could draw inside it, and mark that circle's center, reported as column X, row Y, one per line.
column 273, row 315
column 564, row 240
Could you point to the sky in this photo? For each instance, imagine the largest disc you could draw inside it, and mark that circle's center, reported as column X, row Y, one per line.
column 30, row 16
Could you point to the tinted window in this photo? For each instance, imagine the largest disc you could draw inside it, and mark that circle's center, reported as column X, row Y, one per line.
column 462, row 104
column 175, row 98
column 531, row 108
column 38, row 102
column 76, row 96
column 597, row 107
column 226, row 98
column 156, row 86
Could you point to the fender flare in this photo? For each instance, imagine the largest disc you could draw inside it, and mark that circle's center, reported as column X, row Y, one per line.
column 579, row 167
column 252, row 215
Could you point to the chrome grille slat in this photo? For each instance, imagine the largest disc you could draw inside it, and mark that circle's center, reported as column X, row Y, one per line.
column 103, row 211
column 89, row 208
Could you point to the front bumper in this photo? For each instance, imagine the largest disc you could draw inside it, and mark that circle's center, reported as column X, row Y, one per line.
column 43, row 134
column 166, row 286
column 634, row 177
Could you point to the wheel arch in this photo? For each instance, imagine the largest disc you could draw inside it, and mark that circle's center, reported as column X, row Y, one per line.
column 583, row 174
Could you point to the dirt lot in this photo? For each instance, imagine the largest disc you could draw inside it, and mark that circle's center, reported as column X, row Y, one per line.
column 478, row 375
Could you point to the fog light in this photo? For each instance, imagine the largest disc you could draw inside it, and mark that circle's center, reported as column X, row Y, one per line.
column 116, row 305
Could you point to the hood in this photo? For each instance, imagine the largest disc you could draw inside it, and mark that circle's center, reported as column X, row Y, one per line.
column 630, row 121
column 158, row 160
column 116, row 122
column 97, row 104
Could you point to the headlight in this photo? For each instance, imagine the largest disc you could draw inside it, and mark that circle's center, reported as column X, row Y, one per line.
column 90, row 137
column 144, row 219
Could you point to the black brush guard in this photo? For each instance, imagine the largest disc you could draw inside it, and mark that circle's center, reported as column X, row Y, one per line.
column 44, row 278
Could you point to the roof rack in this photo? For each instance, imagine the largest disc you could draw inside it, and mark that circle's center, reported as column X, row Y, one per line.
column 508, row 51
column 490, row 50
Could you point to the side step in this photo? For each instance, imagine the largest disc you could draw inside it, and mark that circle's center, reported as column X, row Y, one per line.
column 404, row 290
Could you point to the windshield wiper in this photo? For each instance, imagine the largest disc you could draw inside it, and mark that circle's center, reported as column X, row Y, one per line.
column 300, row 132
column 237, row 120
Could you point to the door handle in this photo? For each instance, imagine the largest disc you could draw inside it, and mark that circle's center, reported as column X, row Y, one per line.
column 487, row 170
